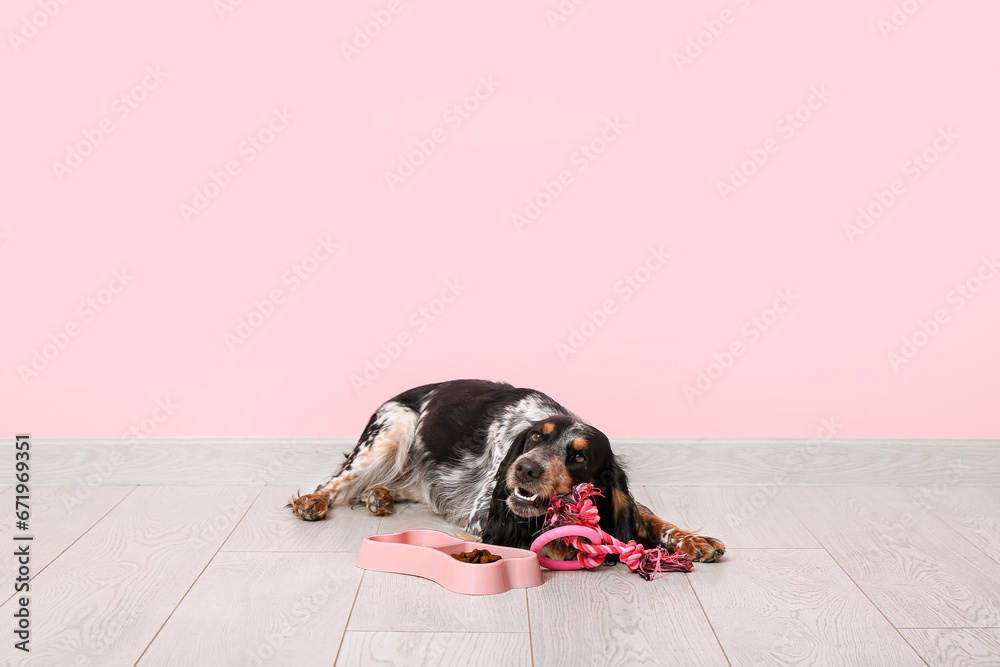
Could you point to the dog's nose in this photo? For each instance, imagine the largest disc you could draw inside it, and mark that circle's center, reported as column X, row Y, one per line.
column 528, row 469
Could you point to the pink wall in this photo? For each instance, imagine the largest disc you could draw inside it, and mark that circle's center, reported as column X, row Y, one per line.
column 287, row 135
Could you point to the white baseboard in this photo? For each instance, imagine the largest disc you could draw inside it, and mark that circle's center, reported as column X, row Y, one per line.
column 676, row 462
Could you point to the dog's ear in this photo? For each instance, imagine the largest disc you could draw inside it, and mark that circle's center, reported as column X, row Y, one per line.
column 619, row 514
column 503, row 527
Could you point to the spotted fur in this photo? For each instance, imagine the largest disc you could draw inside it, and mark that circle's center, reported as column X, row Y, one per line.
column 487, row 457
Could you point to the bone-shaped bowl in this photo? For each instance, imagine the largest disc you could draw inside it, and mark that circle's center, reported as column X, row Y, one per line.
column 427, row 554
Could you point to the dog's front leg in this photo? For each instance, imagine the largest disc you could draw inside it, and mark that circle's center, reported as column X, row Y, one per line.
column 700, row 548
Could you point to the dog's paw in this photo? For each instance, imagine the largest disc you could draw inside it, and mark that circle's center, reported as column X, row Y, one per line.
column 701, row 548
column 559, row 550
column 378, row 500
column 310, row 507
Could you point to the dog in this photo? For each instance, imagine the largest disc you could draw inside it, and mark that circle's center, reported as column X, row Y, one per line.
column 487, row 457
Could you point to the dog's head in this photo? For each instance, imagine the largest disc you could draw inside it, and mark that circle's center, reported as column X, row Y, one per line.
column 549, row 458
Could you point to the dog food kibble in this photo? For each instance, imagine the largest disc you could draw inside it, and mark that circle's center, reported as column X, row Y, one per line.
column 476, row 556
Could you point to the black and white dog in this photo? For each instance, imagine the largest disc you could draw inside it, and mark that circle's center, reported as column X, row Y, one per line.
column 488, row 457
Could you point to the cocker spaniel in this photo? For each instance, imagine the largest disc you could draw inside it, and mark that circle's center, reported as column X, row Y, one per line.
column 487, row 457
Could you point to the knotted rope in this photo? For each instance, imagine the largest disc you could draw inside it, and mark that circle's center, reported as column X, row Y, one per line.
column 577, row 509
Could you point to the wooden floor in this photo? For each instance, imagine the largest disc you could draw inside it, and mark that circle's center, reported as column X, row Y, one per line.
column 223, row 575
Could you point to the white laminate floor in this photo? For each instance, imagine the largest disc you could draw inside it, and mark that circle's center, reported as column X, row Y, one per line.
column 224, row 575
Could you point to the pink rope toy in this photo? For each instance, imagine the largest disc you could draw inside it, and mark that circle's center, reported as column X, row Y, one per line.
column 574, row 518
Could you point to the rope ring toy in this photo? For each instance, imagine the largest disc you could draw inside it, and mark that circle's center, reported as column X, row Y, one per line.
column 564, row 531
column 573, row 518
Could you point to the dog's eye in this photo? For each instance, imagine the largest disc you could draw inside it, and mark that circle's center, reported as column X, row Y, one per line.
column 535, row 437
column 579, row 458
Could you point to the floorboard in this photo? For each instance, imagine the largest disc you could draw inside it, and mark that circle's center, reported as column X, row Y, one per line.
column 429, row 649
column 270, row 526
column 401, row 603
column 794, row 607
column 610, row 616
column 59, row 516
column 102, row 601
column 813, row 575
column 956, row 648
column 742, row 517
column 915, row 568
column 410, row 516
column 261, row 608
column 975, row 513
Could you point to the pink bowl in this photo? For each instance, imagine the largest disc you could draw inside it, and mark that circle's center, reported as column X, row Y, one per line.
column 427, row 554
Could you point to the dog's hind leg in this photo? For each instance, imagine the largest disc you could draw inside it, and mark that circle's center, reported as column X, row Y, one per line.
column 381, row 458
